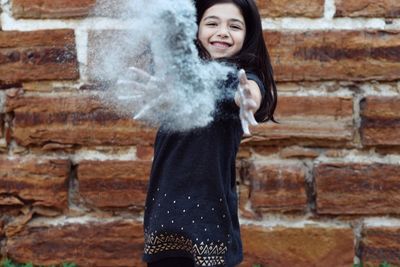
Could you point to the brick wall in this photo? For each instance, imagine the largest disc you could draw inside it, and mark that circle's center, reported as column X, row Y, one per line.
column 322, row 188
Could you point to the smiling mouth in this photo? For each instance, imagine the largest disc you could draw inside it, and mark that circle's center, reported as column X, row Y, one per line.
column 220, row 44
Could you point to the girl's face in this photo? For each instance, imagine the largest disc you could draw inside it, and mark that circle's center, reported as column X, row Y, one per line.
column 222, row 30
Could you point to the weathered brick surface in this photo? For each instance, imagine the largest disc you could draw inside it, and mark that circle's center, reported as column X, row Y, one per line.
column 290, row 8
column 298, row 152
column 335, row 55
column 2, row 223
column 352, row 188
column 300, row 247
column 368, row 8
column 277, row 187
column 73, row 120
column 36, row 181
column 380, row 121
column 325, row 121
column 51, row 8
column 118, row 243
column 1, row 125
column 114, row 184
column 29, row 56
column 380, row 243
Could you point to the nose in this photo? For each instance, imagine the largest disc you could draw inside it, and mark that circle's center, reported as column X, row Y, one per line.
column 223, row 32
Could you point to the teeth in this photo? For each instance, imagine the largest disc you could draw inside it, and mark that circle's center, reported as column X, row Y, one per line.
column 220, row 44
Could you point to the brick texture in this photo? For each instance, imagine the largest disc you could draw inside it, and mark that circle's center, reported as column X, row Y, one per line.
column 291, row 8
column 70, row 193
column 325, row 121
column 51, row 8
column 277, row 187
column 300, row 247
column 380, row 243
column 73, row 120
column 114, row 184
column 34, row 181
column 335, row 55
column 368, row 8
column 28, row 56
column 357, row 188
column 380, row 121
column 118, row 243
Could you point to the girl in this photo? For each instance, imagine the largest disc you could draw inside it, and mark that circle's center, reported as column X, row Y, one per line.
column 191, row 214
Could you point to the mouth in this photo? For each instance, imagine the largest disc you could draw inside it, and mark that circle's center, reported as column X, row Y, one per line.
column 221, row 45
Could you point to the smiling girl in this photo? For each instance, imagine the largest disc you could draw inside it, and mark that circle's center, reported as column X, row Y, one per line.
column 191, row 213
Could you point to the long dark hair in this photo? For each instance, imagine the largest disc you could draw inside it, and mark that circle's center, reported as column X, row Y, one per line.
column 253, row 56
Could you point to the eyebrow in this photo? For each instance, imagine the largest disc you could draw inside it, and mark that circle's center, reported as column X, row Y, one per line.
column 215, row 17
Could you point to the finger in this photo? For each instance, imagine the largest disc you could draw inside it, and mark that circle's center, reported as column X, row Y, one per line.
column 132, row 84
column 245, row 127
column 249, row 104
column 244, row 123
column 250, row 118
column 140, row 75
column 147, row 107
column 242, row 77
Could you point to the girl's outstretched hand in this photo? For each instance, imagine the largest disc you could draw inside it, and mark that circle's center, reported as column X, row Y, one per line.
column 246, row 103
column 142, row 83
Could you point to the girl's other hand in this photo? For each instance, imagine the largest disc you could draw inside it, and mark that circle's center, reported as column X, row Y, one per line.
column 141, row 83
column 248, row 98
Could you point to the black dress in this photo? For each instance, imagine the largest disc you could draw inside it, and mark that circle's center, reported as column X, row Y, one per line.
column 191, row 207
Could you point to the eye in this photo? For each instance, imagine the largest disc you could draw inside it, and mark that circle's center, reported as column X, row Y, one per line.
column 211, row 24
column 236, row 27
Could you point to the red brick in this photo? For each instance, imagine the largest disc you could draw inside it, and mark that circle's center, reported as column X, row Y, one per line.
column 144, row 152
column 299, row 152
column 357, row 188
column 38, row 55
column 380, row 121
column 51, row 8
column 335, row 55
column 277, row 187
column 72, row 120
column 368, row 8
column 380, row 243
column 324, row 121
column 1, row 126
column 114, row 184
column 118, row 243
column 42, row 182
column 291, row 8
column 300, row 247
